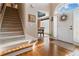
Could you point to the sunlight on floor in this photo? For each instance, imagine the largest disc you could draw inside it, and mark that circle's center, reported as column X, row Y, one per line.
column 74, row 53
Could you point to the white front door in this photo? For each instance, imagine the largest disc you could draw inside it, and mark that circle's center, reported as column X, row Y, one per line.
column 64, row 29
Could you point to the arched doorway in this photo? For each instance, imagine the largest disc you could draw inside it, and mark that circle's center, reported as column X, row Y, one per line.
column 64, row 28
column 55, row 17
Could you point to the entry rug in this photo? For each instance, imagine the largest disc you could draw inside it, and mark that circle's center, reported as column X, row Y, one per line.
column 74, row 53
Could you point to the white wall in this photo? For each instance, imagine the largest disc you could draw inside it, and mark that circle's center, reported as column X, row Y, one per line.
column 76, row 27
column 51, row 14
column 55, row 26
column 45, row 24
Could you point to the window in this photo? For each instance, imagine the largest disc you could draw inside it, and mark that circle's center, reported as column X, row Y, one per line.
column 69, row 7
column 41, row 14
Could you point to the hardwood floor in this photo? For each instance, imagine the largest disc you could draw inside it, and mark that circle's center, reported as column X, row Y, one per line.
column 48, row 47
column 41, row 50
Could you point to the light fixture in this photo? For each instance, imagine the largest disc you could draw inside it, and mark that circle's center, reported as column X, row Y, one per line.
column 31, row 6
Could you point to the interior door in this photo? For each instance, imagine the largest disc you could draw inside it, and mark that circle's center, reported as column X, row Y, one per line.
column 64, row 29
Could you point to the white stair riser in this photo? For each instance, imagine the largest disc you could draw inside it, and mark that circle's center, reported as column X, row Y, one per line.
column 13, row 34
column 8, row 40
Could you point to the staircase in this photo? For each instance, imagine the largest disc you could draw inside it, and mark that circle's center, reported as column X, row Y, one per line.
column 11, row 31
column 11, row 21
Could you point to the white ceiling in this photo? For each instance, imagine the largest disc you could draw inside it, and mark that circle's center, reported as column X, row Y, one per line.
column 44, row 7
column 40, row 6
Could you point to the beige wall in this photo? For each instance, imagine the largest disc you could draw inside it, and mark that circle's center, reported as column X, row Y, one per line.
column 50, row 9
column 21, row 13
column 14, row 5
column 30, row 28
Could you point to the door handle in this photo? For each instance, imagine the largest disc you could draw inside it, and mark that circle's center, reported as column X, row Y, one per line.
column 70, row 28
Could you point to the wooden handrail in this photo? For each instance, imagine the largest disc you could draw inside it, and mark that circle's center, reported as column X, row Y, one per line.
column 3, row 8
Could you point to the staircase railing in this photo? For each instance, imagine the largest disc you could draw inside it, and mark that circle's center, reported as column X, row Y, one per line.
column 2, row 11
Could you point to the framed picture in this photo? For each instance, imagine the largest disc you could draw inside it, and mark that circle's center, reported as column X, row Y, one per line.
column 31, row 18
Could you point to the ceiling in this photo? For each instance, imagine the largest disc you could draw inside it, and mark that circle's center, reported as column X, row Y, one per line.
column 40, row 6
